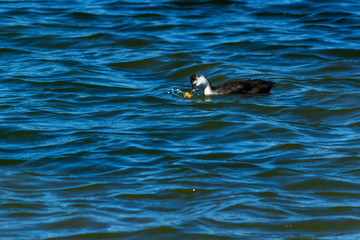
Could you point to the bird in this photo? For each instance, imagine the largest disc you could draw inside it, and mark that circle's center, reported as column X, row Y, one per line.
column 246, row 86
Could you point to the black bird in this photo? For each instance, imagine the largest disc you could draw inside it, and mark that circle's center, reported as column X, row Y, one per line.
column 247, row 86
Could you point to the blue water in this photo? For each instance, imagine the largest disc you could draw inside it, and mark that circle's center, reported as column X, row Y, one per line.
column 97, row 140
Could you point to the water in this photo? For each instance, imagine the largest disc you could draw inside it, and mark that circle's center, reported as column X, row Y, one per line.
column 98, row 142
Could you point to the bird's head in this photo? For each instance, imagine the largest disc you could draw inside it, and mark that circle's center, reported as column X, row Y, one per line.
column 198, row 79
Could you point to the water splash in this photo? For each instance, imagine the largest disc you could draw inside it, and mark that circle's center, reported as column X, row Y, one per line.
column 183, row 94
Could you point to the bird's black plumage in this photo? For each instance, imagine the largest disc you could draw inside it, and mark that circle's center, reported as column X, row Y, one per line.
column 247, row 86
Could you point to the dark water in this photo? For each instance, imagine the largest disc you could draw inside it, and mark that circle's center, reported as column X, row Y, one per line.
column 98, row 142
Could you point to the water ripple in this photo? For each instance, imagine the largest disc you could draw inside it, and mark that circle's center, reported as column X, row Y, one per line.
column 97, row 140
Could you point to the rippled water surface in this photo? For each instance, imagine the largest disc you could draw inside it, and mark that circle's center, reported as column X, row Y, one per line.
column 97, row 140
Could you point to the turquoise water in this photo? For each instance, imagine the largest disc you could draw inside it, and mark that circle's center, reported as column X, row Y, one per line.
column 98, row 142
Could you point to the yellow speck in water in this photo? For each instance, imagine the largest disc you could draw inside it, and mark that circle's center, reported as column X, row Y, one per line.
column 187, row 95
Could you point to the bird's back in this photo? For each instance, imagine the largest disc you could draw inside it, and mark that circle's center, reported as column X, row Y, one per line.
column 260, row 86
column 247, row 86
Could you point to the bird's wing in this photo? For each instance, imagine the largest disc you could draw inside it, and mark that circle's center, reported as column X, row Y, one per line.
column 234, row 87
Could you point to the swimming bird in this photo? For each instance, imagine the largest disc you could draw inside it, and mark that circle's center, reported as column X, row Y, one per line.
column 247, row 86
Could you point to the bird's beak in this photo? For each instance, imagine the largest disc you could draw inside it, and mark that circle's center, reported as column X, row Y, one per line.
column 193, row 85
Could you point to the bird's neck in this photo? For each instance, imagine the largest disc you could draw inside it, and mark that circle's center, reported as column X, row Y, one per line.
column 206, row 86
column 208, row 89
